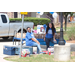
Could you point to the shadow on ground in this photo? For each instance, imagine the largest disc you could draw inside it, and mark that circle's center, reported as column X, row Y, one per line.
column 6, row 40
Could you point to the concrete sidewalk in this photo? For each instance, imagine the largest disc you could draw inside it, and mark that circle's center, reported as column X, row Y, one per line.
column 1, row 51
column 3, row 60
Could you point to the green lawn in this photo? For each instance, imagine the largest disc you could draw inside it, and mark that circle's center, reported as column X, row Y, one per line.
column 36, row 58
column 32, row 58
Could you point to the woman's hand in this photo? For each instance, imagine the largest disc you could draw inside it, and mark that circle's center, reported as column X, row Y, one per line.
column 44, row 39
column 54, row 40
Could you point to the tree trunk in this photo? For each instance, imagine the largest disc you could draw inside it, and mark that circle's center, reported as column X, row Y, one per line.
column 65, row 22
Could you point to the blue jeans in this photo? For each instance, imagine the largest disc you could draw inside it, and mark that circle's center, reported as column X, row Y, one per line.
column 38, row 47
column 48, row 40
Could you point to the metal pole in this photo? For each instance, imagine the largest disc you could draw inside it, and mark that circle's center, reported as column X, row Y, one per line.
column 21, row 34
column 61, row 40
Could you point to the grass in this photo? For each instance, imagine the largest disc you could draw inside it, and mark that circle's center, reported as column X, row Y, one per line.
column 66, row 37
column 37, row 58
column 32, row 58
column 70, row 33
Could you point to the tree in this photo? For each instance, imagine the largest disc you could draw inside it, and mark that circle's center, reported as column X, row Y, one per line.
column 48, row 15
column 65, row 14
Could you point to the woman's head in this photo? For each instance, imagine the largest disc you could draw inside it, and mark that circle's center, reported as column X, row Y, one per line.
column 50, row 25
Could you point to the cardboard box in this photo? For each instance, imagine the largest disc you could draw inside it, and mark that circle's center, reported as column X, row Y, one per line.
column 18, row 35
column 39, row 36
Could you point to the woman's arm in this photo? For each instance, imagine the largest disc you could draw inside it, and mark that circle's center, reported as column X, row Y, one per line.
column 54, row 37
column 44, row 36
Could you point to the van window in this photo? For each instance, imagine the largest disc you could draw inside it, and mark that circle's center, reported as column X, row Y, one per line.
column 4, row 20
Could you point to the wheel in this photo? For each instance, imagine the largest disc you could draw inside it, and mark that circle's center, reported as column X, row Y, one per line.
column 24, row 31
column 5, row 38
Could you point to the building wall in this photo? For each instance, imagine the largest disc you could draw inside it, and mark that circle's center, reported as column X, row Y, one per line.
column 11, row 14
column 33, row 14
column 30, row 14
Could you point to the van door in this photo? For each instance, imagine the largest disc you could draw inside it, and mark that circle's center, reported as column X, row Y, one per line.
column 4, row 25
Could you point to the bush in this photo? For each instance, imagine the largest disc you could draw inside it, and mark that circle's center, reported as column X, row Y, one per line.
column 36, row 21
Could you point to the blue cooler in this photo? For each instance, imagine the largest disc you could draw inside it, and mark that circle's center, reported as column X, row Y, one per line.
column 17, row 50
column 9, row 50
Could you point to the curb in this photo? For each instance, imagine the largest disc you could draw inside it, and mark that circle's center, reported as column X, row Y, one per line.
column 3, row 60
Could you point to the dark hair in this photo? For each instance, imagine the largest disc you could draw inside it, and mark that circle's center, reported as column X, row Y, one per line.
column 53, row 28
column 27, row 27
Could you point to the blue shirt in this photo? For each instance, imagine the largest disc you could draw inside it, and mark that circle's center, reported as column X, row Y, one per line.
column 29, row 42
column 49, row 34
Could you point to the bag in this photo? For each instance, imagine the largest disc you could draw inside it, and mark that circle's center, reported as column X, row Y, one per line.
column 25, row 52
column 50, row 49
column 46, row 52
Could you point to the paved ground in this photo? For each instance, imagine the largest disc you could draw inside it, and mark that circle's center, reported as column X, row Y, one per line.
column 9, row 42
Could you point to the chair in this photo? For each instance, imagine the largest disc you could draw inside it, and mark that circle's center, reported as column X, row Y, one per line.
column 15, row 38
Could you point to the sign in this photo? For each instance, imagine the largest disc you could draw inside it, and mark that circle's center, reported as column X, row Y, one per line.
column 24, row 13
column 40, row 29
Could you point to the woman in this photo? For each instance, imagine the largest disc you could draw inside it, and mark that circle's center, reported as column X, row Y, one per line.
column 50, row 35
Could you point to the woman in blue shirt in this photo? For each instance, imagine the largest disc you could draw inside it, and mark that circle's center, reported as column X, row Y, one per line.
column 50, row 35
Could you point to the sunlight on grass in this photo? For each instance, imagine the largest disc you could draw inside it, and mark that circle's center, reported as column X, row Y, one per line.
column 32, row 58
column 38, row 58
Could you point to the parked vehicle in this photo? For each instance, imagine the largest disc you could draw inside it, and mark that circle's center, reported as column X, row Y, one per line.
column 7, row 28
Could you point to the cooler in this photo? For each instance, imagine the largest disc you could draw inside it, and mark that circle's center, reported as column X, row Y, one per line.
column 17, row 50
column 9, row 50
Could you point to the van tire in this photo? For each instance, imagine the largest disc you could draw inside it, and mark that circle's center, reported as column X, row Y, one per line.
column 5, row 38
column 24, row 31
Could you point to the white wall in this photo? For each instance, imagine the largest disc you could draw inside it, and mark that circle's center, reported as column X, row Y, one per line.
column 19, row 15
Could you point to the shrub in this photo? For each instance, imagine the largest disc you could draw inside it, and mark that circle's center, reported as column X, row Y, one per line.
column 36, row 21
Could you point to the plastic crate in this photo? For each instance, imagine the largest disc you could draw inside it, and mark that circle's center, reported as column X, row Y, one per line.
column 8, row 50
